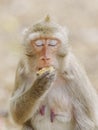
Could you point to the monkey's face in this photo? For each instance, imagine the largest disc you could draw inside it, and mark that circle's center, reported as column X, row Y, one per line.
column 45, row 49
column 46, row 44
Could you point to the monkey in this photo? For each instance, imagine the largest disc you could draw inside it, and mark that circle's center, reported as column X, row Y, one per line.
column 61, row 99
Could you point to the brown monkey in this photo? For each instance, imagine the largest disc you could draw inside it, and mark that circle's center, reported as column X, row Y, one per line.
column 62, row 99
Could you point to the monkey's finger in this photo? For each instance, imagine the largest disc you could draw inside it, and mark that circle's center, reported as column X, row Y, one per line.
column 47, row 72
column 45, row 69
column 43, row 75
column 46, row 78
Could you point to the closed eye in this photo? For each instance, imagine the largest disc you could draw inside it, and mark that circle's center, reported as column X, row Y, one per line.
column 39, row 43
column 52, row 42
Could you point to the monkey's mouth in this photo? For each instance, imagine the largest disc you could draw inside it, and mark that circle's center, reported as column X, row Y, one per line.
column 40, row 68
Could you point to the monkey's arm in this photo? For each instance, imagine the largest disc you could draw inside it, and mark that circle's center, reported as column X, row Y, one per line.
column 83, row 96
column 23, row 105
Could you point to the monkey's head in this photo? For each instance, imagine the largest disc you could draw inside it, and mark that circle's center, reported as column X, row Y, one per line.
column 45, row 43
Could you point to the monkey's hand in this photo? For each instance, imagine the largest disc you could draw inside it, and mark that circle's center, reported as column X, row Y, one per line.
column 43, row 82
column 30, row 100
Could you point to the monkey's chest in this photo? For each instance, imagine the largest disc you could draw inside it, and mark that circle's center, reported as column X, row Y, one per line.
column 55, row 111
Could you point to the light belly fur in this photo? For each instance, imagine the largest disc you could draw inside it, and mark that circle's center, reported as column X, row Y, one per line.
column 58, row 100
column 46, row 124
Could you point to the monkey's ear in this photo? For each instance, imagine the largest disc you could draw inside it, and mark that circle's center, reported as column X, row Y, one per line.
column 65, row 35
column 66, row 30
column 24, row 35
column 24, row 32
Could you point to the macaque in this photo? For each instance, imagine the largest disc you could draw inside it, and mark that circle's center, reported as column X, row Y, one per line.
column 52, row 91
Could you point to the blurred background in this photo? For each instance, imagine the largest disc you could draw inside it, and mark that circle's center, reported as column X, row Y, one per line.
column 79, row 16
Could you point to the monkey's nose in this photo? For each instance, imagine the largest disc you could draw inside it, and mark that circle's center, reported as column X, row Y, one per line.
column 45, row 58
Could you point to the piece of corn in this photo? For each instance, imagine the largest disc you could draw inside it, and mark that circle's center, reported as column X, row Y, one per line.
column 43, row 70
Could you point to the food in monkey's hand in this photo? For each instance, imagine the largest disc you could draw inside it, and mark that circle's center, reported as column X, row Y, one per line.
column 45, row 69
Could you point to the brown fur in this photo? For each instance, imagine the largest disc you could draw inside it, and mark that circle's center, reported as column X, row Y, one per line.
column 30, row 92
